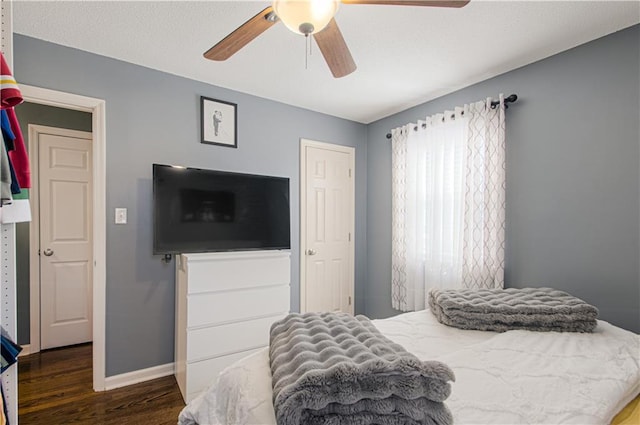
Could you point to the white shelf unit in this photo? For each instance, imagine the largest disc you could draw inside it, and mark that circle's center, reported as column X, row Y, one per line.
column 8, row 319
column 225, row 305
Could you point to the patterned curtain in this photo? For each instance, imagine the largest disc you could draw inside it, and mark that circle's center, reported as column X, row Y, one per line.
column 399, row 299
column 448, row 203
column 484, row 220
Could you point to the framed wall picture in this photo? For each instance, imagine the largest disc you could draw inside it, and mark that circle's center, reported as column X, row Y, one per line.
column 219, row 122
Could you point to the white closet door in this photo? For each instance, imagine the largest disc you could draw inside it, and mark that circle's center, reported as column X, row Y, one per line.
column 66, row 282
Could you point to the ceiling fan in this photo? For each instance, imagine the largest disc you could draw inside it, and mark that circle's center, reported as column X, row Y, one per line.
column 310, row 17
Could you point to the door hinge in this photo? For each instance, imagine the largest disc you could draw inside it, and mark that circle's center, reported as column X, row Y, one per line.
column 349, row 299
column 349, row 236
column 38, row 252
column 349, row 172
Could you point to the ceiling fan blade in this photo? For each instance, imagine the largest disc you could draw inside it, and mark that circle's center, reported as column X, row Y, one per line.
column 432, row 3
column 335, row 50
column 244, row 34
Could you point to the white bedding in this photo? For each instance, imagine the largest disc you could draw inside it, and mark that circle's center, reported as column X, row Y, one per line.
column 516, row 377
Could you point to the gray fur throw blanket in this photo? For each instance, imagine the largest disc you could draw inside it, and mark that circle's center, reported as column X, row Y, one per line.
column 534, row 309
column 334, row 369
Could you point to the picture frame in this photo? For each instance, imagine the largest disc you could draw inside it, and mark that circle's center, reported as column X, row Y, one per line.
column 218, row 122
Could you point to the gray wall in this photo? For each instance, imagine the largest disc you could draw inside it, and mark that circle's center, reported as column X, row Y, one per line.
column 572, row 201
column 153, row 117
column 31, row 113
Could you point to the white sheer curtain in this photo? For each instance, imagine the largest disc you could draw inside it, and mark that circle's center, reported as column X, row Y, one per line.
column 448, row 203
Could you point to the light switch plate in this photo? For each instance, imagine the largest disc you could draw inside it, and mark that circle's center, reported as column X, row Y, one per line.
column 121, row 216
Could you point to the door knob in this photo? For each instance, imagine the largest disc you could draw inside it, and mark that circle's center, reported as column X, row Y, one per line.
column 311, row 252
column 48, row 252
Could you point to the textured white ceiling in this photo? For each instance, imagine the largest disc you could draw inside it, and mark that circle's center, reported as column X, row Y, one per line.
column 405, row 55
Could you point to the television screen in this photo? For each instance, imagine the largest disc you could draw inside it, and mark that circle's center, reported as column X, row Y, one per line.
column 198, row 210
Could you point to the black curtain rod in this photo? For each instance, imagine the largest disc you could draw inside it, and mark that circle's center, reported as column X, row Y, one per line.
column 507, row 100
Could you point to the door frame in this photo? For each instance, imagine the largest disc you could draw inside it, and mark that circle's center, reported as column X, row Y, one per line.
column 97, row 109
column 351, row 151
column 35, row 301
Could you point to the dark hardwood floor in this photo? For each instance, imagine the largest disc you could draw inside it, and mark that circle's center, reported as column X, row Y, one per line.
column 55, row 388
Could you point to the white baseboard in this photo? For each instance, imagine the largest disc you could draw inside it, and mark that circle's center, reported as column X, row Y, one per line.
column 26, row 350
column 137, row 376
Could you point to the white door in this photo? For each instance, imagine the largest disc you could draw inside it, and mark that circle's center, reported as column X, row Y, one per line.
column 327, row 227
column 65, row 199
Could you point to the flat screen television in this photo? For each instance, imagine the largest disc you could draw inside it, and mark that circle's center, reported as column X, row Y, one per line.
column 198, row 210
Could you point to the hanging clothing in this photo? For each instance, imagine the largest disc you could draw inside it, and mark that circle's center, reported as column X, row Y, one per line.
column 14, row 161
column 15, row 186
column 9, row 351
column 4, row 415
column 5, row 175
column 19, row 156
column 9, row 90
column 10, row 96
column 10, row 146
column 5, row 125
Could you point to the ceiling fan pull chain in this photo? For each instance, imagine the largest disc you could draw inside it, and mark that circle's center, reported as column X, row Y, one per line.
column 306, row 51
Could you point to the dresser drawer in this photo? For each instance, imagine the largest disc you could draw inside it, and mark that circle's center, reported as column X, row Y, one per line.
column 215, row 341
column 200, row 375
column 233, row 271
column 212, row 308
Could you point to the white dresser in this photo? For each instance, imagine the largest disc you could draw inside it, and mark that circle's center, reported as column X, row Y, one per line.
column 225, row 305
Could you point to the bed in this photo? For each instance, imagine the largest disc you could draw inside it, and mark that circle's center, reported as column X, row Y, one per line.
column 513, row 377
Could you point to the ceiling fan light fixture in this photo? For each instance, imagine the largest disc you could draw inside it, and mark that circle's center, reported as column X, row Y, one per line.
column 305, row 16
